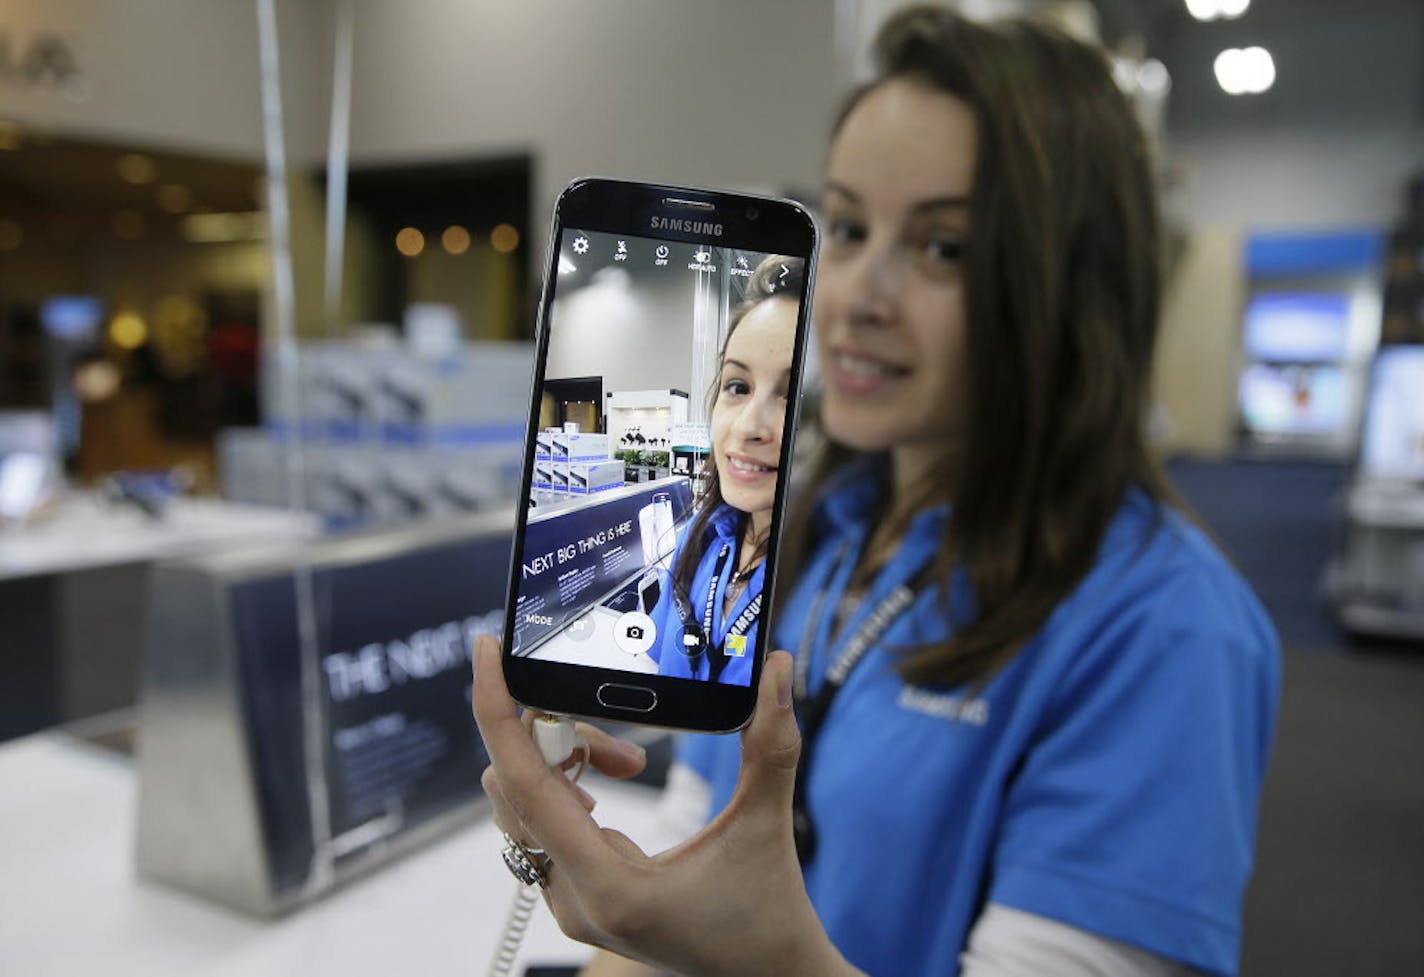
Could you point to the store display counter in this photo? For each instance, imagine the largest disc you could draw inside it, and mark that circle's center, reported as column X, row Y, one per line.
column 74, row 589
column 1376, row 581
column 87, row 534
column 73, row 906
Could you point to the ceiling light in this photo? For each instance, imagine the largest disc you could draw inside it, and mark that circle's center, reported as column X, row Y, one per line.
column 1245, row 71
column 1152, row 77
column 174, row 198
column 137, row 168
column 1213, row 9
column 455, row 239
column 201, row 228
column 97, row 380
column 410, row 242
column 127, row 330
column 504, row 238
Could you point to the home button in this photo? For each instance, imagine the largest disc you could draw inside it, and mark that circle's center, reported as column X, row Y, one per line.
column 633, row 698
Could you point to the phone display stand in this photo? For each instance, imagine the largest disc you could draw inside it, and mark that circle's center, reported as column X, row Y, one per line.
column 235, row 803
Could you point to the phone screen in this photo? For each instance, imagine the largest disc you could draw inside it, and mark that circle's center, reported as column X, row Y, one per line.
column 665, row 406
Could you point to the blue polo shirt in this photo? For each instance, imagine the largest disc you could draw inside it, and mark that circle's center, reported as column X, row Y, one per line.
column 723, row 528
column 1106, row 778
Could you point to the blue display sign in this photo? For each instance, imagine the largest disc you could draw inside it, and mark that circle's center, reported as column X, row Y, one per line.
column 394, row 638
column 576, row 557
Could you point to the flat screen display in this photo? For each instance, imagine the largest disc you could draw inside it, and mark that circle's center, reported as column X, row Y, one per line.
column 1297, row 327
column 1393, row 441
column 1293, row 399
column 27, row 458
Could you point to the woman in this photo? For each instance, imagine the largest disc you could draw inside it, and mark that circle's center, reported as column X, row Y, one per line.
column 707, row 617
column 1047, row 762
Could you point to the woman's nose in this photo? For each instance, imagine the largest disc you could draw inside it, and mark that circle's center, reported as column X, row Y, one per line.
column 759, row 420
column 873, row 284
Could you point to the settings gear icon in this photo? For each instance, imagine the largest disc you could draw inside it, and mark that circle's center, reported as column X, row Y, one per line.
column 580, row 245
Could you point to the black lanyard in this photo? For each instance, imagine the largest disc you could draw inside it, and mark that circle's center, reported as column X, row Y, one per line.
column 743, row 623
column 811, row 711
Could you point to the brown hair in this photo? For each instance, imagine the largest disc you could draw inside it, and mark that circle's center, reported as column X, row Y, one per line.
column 1062, row 292
column 766, row 282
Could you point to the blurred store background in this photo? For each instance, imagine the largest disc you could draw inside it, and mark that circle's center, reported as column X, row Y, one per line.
column 192, row 454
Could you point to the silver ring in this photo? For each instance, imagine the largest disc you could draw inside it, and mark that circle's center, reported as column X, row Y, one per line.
column 529, row 865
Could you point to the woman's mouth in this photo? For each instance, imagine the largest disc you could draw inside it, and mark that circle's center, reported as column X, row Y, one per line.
column 748, row 470
column 854, row 372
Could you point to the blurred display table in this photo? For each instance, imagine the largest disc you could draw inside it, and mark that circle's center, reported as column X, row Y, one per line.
column 86, row 533
column 72, row 906
column 74, row 592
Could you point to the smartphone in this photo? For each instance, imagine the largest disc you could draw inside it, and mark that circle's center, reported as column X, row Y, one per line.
column 644, row 557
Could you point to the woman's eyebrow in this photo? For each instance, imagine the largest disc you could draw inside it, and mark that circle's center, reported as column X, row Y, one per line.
column 933, row 203
column 941, row 203
column 737, row 363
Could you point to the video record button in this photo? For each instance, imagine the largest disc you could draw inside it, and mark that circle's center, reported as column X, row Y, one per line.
column 633, row 698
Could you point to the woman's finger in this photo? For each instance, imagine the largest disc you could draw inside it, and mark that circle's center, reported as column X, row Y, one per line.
column 505, row 817
column 539, row 797
column 611, row 756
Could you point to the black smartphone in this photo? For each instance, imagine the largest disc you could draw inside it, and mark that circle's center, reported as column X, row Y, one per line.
column 671, row 338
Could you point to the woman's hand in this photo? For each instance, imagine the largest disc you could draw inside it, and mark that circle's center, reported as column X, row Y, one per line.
column 729, row 901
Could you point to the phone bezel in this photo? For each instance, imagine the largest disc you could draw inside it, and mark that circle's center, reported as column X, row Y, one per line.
column 621, row 207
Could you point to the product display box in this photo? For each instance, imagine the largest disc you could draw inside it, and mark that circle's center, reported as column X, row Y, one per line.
column 473, row 396
column 390, row 431
column 577, row 447
column 589, row 477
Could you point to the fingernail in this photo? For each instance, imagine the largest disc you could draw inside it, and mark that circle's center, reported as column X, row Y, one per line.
column 632, row 750
column 783, row 688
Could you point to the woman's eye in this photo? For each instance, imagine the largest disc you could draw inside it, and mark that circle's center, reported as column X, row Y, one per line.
column 945, row 248
column 736, row 387
column 845, row 230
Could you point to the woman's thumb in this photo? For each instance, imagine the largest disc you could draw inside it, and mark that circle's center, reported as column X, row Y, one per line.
column 771, row 745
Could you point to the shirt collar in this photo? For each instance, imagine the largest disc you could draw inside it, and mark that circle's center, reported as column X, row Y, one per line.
column 725, row 522
column 852, row 491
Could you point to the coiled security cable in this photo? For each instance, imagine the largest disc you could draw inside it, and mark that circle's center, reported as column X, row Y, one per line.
column 557, row 741
column 521, row 910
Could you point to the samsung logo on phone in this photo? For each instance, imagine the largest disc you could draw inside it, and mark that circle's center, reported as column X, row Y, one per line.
column 686, row 226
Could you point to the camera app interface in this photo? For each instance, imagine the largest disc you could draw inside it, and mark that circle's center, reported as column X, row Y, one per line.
column 663, row 407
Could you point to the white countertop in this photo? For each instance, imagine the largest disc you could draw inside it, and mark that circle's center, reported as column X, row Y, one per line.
column 71, row 904
column 1387, row 504
column 86, row 533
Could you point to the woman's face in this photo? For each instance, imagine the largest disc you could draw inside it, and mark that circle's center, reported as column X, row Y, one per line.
column 750, row 409
column 890, row 303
